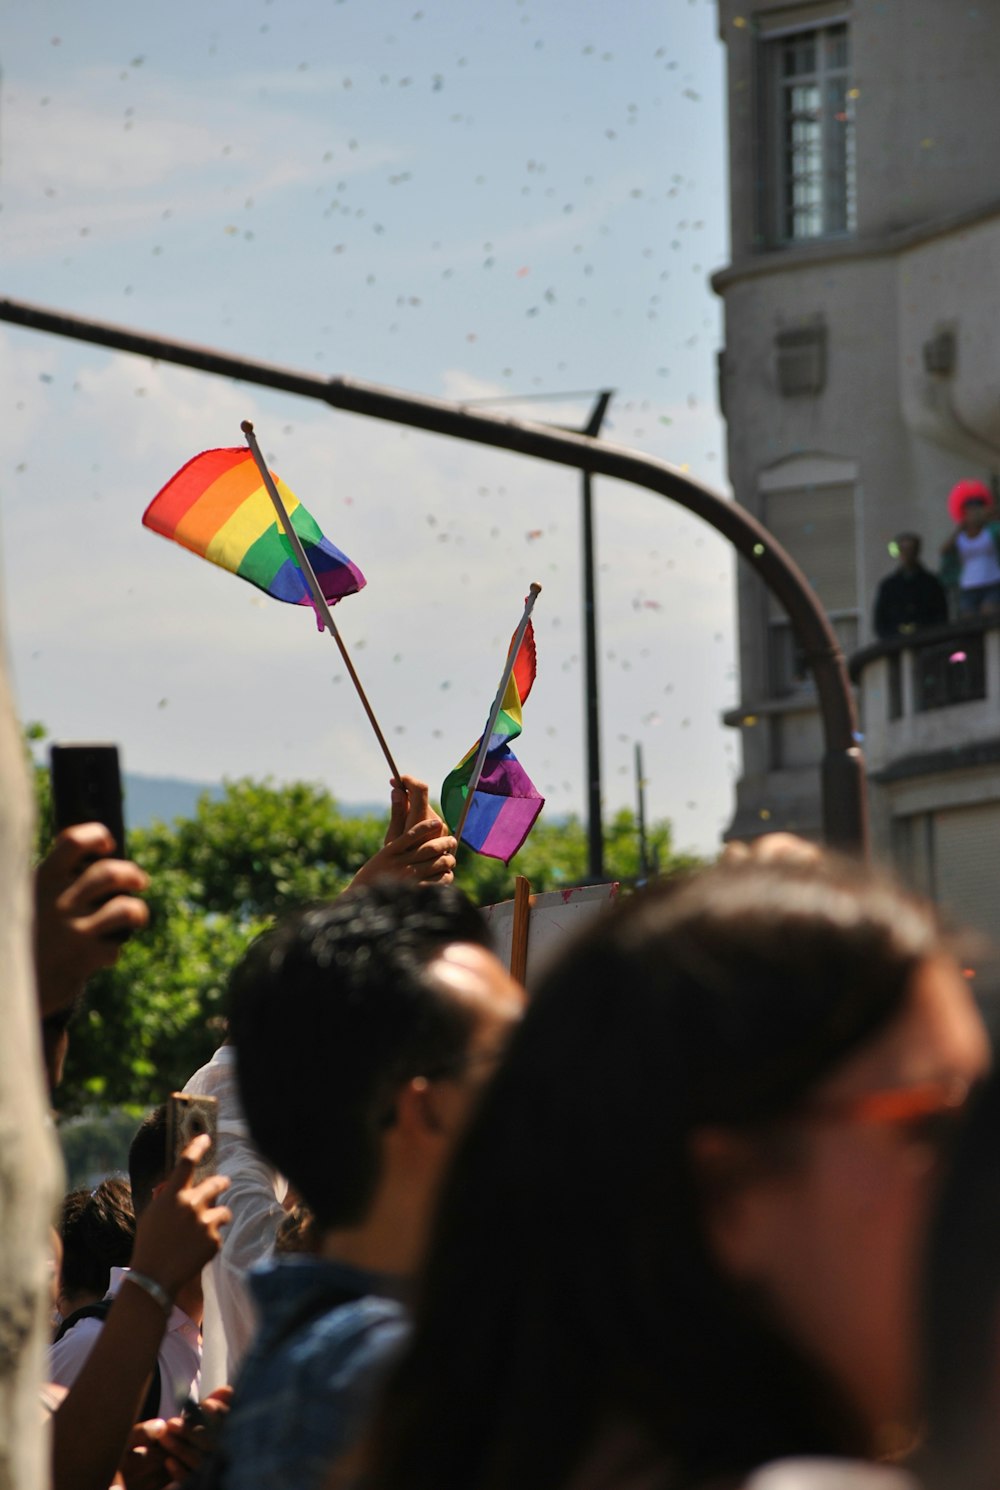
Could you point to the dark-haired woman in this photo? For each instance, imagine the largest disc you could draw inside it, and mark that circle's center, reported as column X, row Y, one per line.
column 680, row 1239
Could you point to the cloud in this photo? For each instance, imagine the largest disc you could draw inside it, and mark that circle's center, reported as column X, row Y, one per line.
column 130, row 166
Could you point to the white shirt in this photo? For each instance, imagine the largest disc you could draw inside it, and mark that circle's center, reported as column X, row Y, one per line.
column 179, row 1355
column 254, row 1196
column 979, row 560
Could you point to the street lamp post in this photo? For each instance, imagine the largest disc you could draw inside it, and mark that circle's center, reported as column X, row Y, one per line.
column 842, row 771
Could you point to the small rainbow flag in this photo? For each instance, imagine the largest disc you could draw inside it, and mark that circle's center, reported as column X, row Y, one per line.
column 505, row 804
column 218, row 507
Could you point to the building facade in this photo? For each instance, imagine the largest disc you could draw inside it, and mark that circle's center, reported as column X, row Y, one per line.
column 860, row 380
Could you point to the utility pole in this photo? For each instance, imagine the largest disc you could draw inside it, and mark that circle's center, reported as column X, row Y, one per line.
column 640, row 813
column 592, row 710
column 591, row 689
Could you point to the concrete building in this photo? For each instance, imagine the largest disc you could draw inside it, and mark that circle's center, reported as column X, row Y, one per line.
column 860, row 380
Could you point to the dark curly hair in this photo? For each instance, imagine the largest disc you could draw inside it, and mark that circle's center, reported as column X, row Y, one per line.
column 330, row 1012
column 97, row 1229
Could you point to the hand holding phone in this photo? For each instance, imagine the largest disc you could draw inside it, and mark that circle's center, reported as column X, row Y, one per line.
column 187, row 1116
column 84, row 902
column 87, row 788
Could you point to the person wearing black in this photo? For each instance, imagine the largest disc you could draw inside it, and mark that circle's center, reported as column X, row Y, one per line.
column 911, row 597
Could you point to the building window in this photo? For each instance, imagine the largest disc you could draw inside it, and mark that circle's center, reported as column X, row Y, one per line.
column 816, row 525
column 812, row 134
column 788, row 670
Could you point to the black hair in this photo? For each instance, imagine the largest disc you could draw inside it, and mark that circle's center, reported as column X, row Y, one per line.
column 148, row 1165
column 97, row 1229
column 570, row 1285
column 961, row 1370
column 330, row 1013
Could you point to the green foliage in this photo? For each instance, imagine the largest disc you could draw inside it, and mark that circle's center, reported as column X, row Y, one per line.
column 216, row 881
column 34, row 734
column 219, row 878
column 555, row 857
column 96, row 1144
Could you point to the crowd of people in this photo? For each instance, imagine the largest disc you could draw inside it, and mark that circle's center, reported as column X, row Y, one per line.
column 717, row 1206
column 912, row 598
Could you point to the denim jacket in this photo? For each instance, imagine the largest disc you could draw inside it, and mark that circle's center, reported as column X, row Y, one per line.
column 302, row 1404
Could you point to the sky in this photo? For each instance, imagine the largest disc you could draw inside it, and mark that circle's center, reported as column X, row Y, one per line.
column 462, row 200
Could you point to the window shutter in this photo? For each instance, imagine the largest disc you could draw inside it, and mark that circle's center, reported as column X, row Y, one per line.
column 966, row 861
column 816, row 526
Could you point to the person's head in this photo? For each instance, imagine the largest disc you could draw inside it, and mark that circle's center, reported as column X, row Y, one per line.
column 147, row 1158
column 362, row 1028
column 296, row 1232
column 688, row 1200
column 97, row 1228
column 972, row 502
column 908, row 547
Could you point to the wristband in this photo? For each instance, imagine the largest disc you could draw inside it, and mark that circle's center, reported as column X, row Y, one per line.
column 155, row 1290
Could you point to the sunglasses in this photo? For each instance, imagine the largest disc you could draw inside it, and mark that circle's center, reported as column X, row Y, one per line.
column 928, row 1113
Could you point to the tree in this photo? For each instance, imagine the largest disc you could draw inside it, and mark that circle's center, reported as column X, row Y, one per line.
column 216, row 881
column 220, row 877
column 555, row 857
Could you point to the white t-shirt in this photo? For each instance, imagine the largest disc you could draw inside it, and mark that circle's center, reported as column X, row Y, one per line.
column 254, row 1197
column 979, row 560
column 179, row 1355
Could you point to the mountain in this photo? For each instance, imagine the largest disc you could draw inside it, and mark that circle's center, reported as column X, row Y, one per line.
column 169, row 797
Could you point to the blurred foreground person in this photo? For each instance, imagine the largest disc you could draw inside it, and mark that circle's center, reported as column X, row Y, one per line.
column 962, row 1326
column 363, row 1030
column 680, row 1238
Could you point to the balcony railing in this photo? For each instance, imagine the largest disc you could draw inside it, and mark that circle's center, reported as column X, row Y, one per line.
column 929, row 692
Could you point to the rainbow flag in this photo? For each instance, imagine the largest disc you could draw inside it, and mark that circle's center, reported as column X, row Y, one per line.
column 505, row 804
column 218, row 507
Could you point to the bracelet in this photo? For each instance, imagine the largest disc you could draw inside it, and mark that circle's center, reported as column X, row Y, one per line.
column 149, row 1285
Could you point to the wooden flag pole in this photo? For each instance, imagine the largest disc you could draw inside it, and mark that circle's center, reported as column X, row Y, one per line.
column 318, row 598
column 519, row 930
column 534, row 591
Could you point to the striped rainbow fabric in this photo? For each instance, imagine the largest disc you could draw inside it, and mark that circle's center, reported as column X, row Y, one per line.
column 506, row 803
column 218, row 507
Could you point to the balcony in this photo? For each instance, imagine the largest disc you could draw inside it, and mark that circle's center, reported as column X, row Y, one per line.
column 930, row 702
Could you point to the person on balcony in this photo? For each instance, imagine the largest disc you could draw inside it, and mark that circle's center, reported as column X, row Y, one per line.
column 910, row 598
column 970, row 559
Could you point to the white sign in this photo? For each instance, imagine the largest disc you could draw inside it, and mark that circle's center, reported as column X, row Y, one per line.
column 555, row 916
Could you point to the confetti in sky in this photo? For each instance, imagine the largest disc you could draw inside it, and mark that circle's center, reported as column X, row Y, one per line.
column 325, row 187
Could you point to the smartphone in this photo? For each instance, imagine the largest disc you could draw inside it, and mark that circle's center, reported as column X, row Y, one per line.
column 200, row 1427
column 87, row 788
column 187, row 1116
